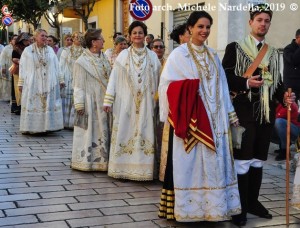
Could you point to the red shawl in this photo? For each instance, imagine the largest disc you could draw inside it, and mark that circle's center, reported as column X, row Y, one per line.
column 187, row 114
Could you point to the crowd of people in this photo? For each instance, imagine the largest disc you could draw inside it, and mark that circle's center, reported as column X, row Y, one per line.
column 141, row 116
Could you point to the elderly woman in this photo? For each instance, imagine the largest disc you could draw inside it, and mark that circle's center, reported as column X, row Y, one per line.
column 40, row 85
column 91, row 130
column 23, row 40
column 66, row 62
column 112, row 53
column 131, row 88
column 67, row 43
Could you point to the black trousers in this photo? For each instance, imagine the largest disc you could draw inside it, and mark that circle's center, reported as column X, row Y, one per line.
column 255, row 141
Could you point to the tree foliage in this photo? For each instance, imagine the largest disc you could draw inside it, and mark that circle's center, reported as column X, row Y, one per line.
column 84, row 9
column 29, row 11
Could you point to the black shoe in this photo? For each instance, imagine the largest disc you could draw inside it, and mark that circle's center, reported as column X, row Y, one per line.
column 259, row 210
column 277, row 151
column 239, row 220
column 280, row 157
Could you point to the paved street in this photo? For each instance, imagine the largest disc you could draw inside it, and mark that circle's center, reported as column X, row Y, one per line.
column 38, row 188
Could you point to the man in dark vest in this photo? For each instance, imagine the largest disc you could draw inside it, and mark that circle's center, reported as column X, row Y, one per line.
column 252, row 70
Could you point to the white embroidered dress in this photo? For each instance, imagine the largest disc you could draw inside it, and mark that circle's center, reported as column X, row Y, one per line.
column 205, row 181
column 91, row 146
column 66, row 63
column 41, row 102
column 131, row 90
column 5, row 77
column 296, row 188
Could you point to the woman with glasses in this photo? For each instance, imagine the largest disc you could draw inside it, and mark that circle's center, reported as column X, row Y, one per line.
column 200, row 181
column 131, row 89
column 91, row 130
column 40, row 85
column 67, row 60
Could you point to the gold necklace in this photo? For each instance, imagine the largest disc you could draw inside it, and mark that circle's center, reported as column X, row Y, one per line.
column 41, row 54
column 76, row 52
column 214, row 115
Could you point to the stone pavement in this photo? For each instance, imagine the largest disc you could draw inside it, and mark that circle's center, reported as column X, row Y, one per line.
column 38, row 188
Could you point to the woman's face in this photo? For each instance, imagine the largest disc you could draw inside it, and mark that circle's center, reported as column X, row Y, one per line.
column 68, row 41
column 41, row 39
column 97, row 44
column 76, row 40
column 185, row 37
column 200, row 31
column 50, row 42
column 121, row 46
column 137, row 36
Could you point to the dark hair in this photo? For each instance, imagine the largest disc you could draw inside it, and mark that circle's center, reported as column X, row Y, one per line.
column 196, row 15
column 260, row 8
column 151, row 36
column 156, row 40
column 116, row 35
column 55, row 40
column 90, row 35
column 177, row 31
column 298, row 33
column 137, row 24
column 11, row 37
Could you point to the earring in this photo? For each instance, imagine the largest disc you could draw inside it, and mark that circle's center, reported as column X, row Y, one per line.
column 94, row 47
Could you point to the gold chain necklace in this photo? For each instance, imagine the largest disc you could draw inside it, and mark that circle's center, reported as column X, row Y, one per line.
column 76, row 52
column 214, row 115
column 41, row 54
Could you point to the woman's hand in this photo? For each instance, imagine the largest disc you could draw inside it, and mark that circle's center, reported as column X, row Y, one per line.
column 80, row 112
column 106, row 108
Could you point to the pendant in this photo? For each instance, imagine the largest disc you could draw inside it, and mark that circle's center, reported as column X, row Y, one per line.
column 140, row 80
column 139, row 75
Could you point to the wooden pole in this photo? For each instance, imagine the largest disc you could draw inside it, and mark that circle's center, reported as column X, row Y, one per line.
column 288, row 142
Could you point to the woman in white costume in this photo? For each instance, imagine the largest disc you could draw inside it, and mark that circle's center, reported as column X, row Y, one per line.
column 131, row 90
column 200, row 182
column 66, row 62
column 40, row 85
column 91, row 130
column 112, row 53
column 296, row 187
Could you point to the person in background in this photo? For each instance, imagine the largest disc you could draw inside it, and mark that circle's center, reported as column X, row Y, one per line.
column 22, row 41
column 181, row 35
column 68, row 57
column 200, row 181
column 6, row 87
column 52, row 41
column 67, row 43
column 131, row 90
column 91, row 137
column 280, row 128
column 119, row 45
column 149, row 39
column 40, row 86
column 31, row 38
column 254, row 96
column 158, row 46
column 291, row 62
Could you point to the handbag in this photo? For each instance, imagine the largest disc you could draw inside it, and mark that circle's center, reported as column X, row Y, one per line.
column 237, row 134
column 14, row 69
column 81, row 120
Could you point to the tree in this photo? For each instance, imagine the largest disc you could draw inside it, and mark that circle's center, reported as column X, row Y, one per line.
column 29, row 11
column 52, row 14
column 84, row 12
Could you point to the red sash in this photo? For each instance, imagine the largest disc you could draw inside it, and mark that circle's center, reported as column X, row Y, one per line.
column 187, row 114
